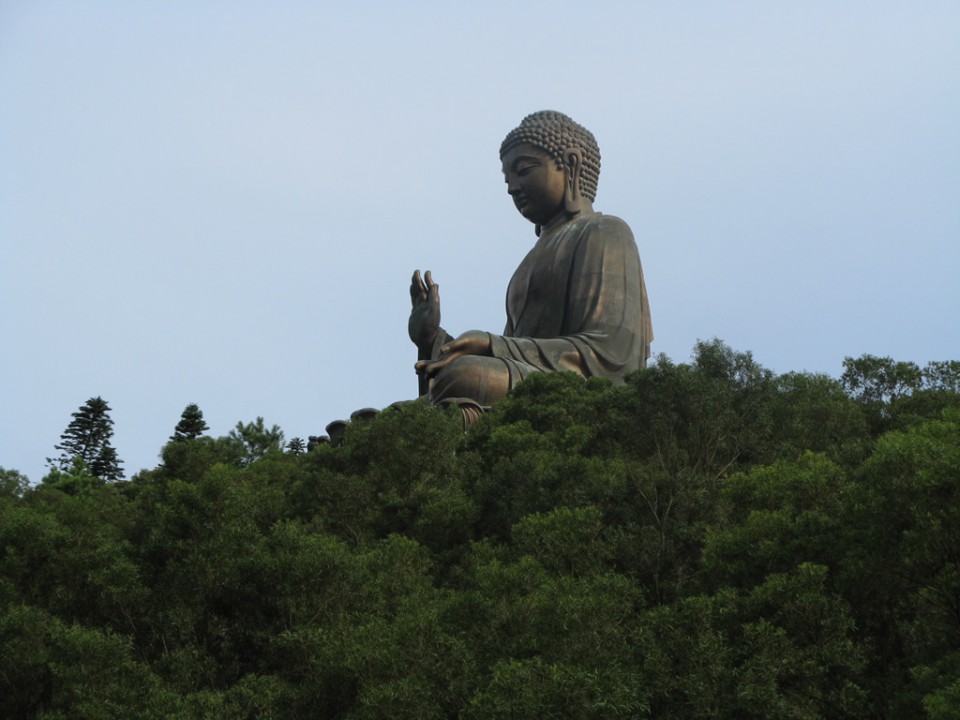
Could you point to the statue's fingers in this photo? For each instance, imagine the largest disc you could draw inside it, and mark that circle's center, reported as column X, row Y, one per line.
column 432, row 367
column 418, row 291
column 425, row 367
column 433, row 290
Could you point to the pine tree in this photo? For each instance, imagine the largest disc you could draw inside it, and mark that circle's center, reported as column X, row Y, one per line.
column 87, row 439
column 255, row 440
column 191, row 425
column 296, row 446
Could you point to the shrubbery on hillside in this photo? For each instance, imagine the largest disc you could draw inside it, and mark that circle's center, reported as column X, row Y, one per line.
column 710, row 540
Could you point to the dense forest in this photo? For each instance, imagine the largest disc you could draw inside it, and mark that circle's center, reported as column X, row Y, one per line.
column 709, row 540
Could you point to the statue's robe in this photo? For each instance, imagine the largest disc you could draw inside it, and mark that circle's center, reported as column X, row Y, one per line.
column 577, row 302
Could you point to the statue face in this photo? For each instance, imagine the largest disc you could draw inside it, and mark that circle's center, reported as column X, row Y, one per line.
column 534, row 182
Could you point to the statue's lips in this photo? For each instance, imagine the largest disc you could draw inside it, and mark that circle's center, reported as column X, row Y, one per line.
column 520, row 201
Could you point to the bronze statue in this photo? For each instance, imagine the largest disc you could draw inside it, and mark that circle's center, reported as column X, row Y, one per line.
column 577, row 301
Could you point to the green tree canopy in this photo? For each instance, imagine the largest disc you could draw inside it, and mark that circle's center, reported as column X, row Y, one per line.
column 87, row 441
column 12, row 483
column 191, row 425
column 256, row 440
column 710, row 540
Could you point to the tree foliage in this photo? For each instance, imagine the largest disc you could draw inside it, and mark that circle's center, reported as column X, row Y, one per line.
column 13, row 483
column 191, row 425
column 86, row 443
column 709, row 540
column 256, row 440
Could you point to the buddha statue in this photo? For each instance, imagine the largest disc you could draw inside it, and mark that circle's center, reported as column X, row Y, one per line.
column 577, row 302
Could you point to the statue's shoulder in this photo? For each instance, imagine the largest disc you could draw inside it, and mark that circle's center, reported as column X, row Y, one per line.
column 607, row 226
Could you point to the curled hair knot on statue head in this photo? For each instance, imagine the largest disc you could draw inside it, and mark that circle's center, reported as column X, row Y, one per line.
column 556, row 134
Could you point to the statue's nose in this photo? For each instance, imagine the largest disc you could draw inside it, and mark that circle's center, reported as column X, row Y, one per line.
column 512, row 186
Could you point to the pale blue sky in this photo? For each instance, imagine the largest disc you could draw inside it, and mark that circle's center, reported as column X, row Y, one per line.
column 222, row 202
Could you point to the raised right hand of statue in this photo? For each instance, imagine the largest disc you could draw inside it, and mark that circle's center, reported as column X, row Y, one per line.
column 424, row 321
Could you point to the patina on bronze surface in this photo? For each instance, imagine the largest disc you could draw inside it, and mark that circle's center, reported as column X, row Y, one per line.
column 577, row 302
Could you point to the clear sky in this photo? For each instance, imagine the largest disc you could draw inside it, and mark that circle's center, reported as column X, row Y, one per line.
column 223, row 202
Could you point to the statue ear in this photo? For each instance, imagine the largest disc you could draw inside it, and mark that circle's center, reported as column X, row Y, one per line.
column 573, row 163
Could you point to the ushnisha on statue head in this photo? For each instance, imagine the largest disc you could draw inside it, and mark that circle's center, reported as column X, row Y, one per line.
column 551, row 165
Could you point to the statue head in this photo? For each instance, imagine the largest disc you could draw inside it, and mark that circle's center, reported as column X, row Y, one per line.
column 571, row 145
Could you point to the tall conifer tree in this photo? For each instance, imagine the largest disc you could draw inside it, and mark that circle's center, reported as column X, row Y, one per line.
column 87, row 439
column 191, row 425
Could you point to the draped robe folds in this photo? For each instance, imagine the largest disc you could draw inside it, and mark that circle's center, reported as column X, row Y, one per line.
column 577, row 302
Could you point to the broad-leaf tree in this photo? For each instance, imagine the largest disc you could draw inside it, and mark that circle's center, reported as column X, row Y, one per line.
column 12, row 483
column 708, row 540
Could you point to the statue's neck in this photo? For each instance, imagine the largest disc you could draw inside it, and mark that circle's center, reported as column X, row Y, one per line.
column 563, row 217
